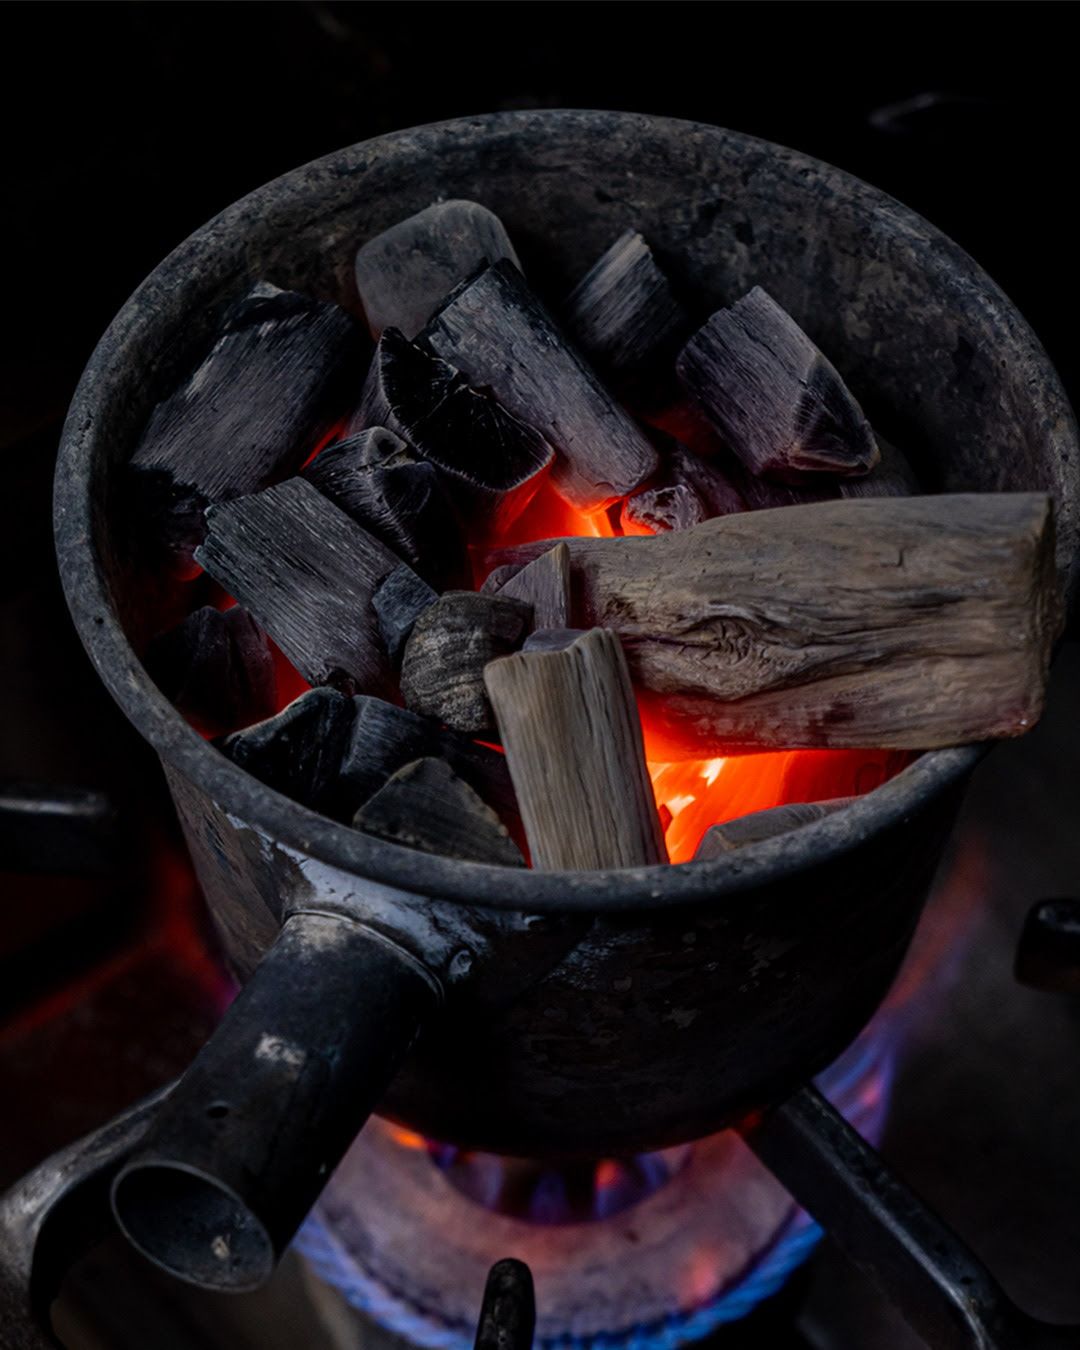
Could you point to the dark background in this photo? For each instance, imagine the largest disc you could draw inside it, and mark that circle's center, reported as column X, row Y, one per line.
column 127, row 125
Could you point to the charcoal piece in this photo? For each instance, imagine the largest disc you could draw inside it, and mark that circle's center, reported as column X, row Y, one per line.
column 298, row 752
column 442, row 673
column 570, row 727
column 551, row 639
column 543, row 584
column 398, row 602
column 493, row 459
column 406, row 272
column 495, row 331
column 652, row 510
column 377, row 480
column 216, row 666
column 307, row 573
column 760, row 825
column 251, row 411
column 687, row 490
column 425, row 805
column 892, row 476
column 385, row 737
column 622, row 314
column 779, row 404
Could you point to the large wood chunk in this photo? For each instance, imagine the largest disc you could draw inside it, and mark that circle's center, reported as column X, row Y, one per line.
column 543, row 584
column 384, row 738
column 252, row 411
column 425, row 805
column 405, row 273
column 569, row 725
column 493, row 459
column 761, row 825
column 442, row 672
column 307, row 573
column 901, row 623
column 377, row 480
column 217, row 667
column 776, row 400
column 298, row 752
column 623, row 315
column 495, row 331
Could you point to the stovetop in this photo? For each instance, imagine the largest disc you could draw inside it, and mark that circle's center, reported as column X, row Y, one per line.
column 108, row 985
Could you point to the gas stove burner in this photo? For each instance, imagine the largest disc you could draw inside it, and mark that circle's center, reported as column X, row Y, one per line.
column 407, row 1230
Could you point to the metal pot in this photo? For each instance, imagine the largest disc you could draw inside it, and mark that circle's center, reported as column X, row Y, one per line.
column 558, row 1014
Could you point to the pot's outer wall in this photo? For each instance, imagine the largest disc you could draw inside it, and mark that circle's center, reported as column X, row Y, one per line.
column 563, row 1037
column 590, row 1012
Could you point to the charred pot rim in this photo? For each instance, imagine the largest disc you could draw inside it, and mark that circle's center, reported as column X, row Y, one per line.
column 169, row 314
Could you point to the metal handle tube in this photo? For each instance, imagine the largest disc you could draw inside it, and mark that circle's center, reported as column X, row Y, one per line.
column 246, row 1141
column 940, row 1287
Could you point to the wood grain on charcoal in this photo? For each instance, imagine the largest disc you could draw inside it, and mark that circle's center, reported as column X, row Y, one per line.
column 307, row 573
column 779, row 404
column 903, row 623
column 426, row 805
column 406, row 272
column 377, row 480
column 298, row 752
column 491, row 460
column 495, row 331
column 442, row 673
column 760, row 825
column 251, row 411
column 569, row 724
column 623, row 315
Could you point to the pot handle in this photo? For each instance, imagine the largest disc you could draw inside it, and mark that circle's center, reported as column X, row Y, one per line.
column 244, row 1144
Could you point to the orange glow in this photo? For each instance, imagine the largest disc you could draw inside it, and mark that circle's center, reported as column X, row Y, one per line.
column 407, row 1138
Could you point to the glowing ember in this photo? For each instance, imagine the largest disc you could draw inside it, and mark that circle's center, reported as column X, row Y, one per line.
column 692, row 794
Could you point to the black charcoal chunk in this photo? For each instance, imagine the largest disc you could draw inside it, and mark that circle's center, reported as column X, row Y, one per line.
column 252, row 411
column 380, row 483
column 425, row 805
column 299, row 751
column 216, row 666
column 779, row 404
column 687, row 490
column 385, row 737
column 487, row 453
column 405, row 273
column 623, row 315
column 761, row 825
column 495, row 331
column 442, row 673
column 398, row 602
column 307, row 573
